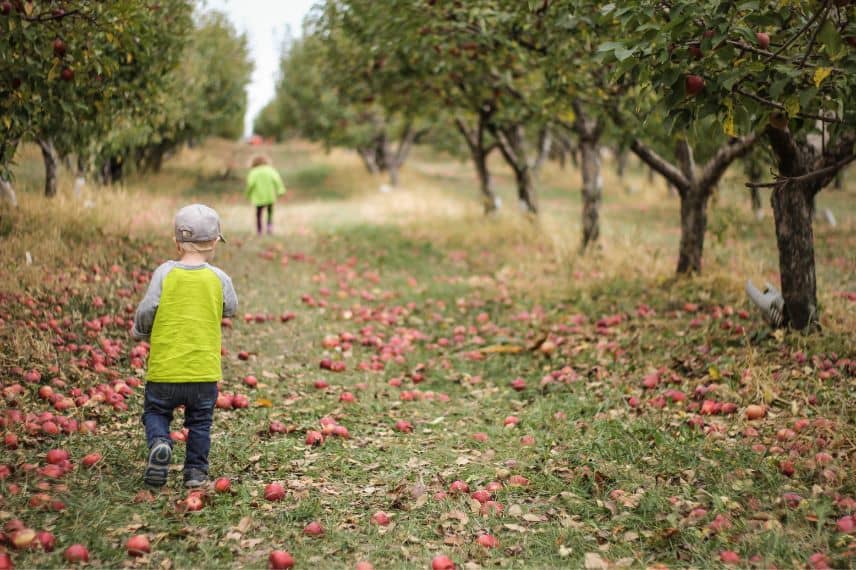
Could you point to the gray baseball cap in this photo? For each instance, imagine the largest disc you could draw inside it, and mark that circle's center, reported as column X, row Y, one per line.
column 195, row 223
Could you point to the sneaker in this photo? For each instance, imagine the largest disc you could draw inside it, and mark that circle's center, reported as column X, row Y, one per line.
column 157, row 467
column 194, row 478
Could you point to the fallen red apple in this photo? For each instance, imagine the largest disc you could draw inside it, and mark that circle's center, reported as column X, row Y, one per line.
column 363, row 565
column 194, row 502
column 47, row 540
column 251, row 381
column 481, row 496
column 442, row 562
column 403, row 426
column 755, row 412
column 274, row 492
column 380, row 518
column 459, row 487
column 518, row 384
column 277, row 426
column 313, row 529
column 280, row 560
column 487, row 541
column 138, row 545
column 91, row 459
column 222, row 484
column 56, row 456
column 314, row 438
column 76, row 553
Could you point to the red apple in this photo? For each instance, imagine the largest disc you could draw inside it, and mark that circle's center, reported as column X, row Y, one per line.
column 222, row 485
column 313, row 529
column 459, row 487
column 763, row 39
column 481, row 496
column 138, row 545
column 321, row 384
column 314, row 438
column 280, row 560
column 693, row 84
column 274, row 492
column 194, row 502
column 5, row 559
column 755, row 412
column 403, row 426
column 243, row 355
column 47, row 540
column 347, row 397
column 251, row 381
column 380, row 518
column 67, row 74
column 363, row 565
column 442, row 562
column 59, row 47
column 76, row 553
column 518, row 384
column 56, row 456
column 277, row 426
column 487, row 541
column 729, row 557
column 91, row 459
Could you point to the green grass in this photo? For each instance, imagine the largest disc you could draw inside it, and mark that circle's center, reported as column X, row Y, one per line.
column 604, row 478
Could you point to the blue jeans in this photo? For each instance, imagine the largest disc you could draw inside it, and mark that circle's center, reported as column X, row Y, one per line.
column 198, row 399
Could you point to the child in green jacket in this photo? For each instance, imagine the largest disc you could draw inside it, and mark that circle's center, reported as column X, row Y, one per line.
column 180, row 317
column 264, row 186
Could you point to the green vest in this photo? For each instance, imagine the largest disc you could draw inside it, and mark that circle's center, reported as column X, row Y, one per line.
column 185, row 341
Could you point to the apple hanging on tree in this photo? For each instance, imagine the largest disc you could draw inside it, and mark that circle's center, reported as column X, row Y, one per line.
column 694, row 84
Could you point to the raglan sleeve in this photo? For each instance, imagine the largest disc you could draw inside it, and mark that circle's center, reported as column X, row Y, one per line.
column 144, row 318
column 230, row 298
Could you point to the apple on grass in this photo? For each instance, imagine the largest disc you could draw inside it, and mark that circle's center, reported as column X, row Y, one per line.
column 280, row 560
column 138, row 545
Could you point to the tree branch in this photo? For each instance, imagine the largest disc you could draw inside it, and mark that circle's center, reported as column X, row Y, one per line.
column 781, row 107
column 669, row 171
column 828, row 171
column 719, row 162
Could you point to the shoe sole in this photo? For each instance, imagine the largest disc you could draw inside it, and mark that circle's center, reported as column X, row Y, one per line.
column 157, row 468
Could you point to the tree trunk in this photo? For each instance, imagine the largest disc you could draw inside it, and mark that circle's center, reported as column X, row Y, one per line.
column 369, row 161
column 392, row 168
column 489, row 198
column 51, row 162
column 792, row 211
column 7, row 193
column 592, row 191
column 693, row 228
column 620, row 162
column 475, row 140
column 526, row 190
column 545, row 143
column 513, row 148
column 795, row 239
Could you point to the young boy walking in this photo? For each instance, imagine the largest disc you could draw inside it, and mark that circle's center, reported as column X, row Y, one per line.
column 180, row 317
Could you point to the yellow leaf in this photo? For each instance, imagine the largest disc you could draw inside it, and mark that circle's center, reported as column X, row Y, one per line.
column 501, row 348
column 263, row 403
column 820, row 74
column 713, row 371
column 792, row 105
column 728, row 122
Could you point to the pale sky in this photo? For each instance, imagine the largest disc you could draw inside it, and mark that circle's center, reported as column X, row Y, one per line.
column 265, row 23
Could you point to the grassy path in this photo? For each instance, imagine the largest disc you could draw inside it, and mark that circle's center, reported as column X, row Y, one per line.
column 600, row 425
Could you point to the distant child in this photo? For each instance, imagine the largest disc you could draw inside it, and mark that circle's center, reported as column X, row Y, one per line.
column 180, row 316
column 264, row 186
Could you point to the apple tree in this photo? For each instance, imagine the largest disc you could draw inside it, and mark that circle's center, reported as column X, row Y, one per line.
column 785, row 70
column 71, row 66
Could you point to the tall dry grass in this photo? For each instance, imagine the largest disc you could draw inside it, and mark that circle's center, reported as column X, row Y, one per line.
column 437, row 202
